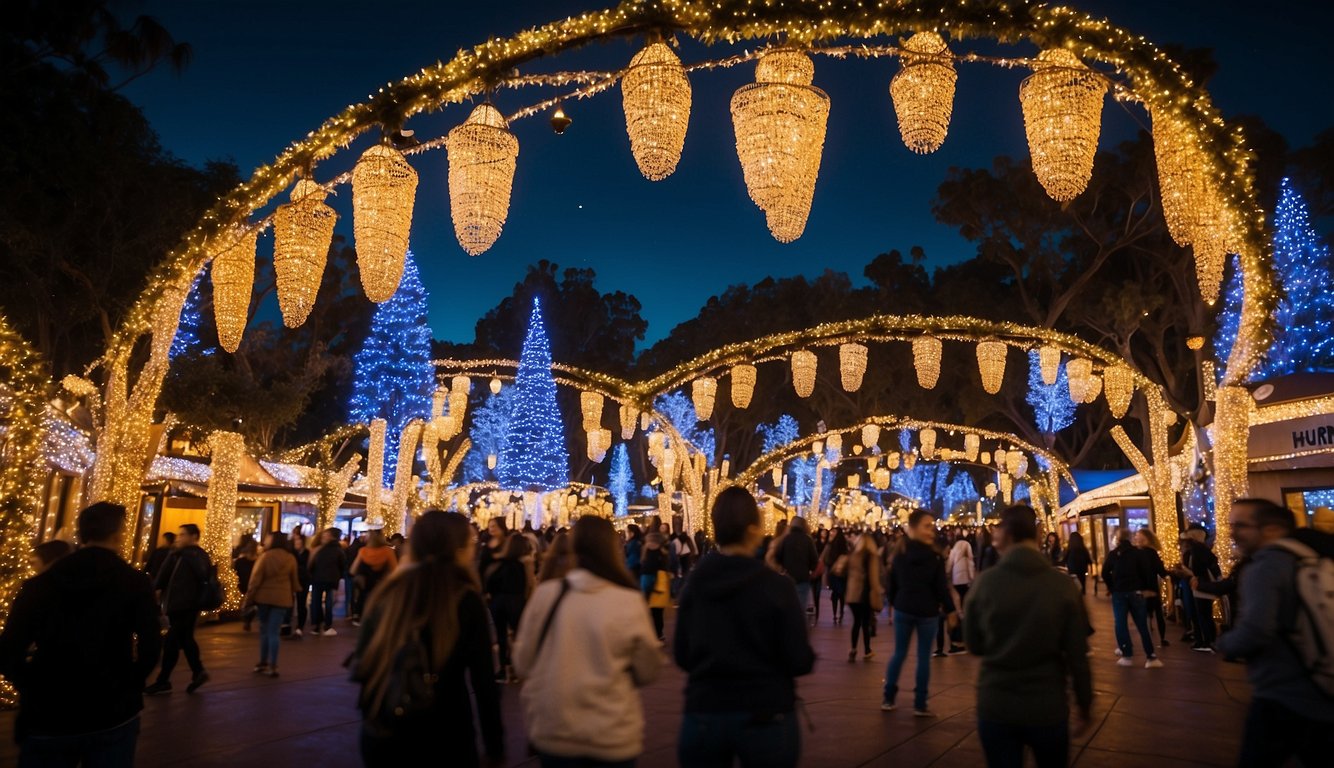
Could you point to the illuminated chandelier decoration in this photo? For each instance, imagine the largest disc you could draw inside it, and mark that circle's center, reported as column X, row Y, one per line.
column 1062, row 104
column 743, row 384
column 655, row 94
column 1049, row 363
column 991, row 364
column 233, row 282
column 804, row 364
column 926, row 359
column 482, row 155
column 302, row 232
column 599, row 442
column 384, row 188
column 1092, row 387
column 923, row 92
column 779, row 121
column 1078, row 371
column 629, row 415
column 927, row 437
column 1118, row 387
column 971, row 444
column 590, row 403
column 852, row 366
column 703, row 392
column 870, row 435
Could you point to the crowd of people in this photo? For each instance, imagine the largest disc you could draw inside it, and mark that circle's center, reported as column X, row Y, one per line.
column 446, row 617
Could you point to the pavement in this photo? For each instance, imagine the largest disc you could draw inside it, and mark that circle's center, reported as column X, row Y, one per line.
column 1189, row 713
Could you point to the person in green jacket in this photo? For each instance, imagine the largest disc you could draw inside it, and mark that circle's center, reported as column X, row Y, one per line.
column 1027, row 622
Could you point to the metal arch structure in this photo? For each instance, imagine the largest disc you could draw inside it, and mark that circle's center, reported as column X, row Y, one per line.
column 1150, row 77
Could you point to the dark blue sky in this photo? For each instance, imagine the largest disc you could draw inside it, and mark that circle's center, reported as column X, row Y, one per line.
column 266, row 73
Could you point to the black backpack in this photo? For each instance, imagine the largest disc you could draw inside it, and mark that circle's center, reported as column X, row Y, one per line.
column 210, row 590
column 409, row 687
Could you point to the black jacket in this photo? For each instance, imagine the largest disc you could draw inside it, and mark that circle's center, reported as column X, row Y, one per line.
column 917, row 583
column 507, row 578
column 303, row 568
column 155, row 560
column 1078, row 561
column 796, row 553
column 741, row 637
column 95, row 633
column 182, row 578
column 327, row 564
column 1200, row 561
column 1127, row 569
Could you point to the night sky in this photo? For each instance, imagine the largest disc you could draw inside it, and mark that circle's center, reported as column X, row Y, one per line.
column 266, row 73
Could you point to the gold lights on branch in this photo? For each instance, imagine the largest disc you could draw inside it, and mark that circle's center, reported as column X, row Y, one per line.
column 1049, row 363
column 743, row 384
column 991, row 364
column 482, row 157
column 923, row 92
column 384, row 189
column 375, row 470
column 1118, row 387
column 780, row 121
column 302, row 232
column 804, row 365
column 1062, row 104
column 852, row 365
column 703, row 392
column 655, row 94
column 233, row 282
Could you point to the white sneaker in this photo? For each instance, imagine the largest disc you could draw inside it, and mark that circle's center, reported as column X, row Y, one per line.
column 1153, row 663
column 1125, row 662
column 330, row 632
column 296, row 632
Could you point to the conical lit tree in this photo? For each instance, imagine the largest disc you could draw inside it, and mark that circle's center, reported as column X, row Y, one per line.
column 1304, row 317
column 621, row 482
column 188, row 338
column 535, row 457
column 1053, row 410
column 392, row 373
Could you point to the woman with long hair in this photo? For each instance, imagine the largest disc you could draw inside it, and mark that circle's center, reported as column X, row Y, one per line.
column 508, row 581
column 835, row 558
column 372, row 564
column 429, row 612
column 584, row 646
column 273, row 587
column 1153, row 599
column 1052, row 549
column 865, row 596
column 1078, row 561
column 558, row 560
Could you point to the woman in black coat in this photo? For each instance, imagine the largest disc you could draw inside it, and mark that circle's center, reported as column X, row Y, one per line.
column 1078, row 561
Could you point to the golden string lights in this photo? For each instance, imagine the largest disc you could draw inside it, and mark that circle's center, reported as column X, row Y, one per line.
column 233, row 282
column 226, row 449
column 926, row 359
column 923, row 92
column 655, row 94
column 1049, row 363
column 703, row 391
column 375, row 471
column 590, row 405
column 1118, row 387
column 482, row 157
column 384, row 189
column 302, row 232
column 1062, row 104
column 1077, row 372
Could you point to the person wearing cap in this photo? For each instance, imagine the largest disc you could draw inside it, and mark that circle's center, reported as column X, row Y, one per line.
column 1199, row 560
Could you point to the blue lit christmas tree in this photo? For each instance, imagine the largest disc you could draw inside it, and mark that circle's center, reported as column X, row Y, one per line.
column 1305, row 312
column 392, row 373
column 679, row 409
column 1053, row 410
column 490, row 422
column 534, row 457
column 187, row 337
column 778, row 434
column 622, row 482
column 1229, row 317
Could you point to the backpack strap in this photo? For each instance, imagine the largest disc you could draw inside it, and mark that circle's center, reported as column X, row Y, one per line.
column 546, row 626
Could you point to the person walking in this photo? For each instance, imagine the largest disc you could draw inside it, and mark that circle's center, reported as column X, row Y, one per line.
column 634, row 549
column 1147, row 543
column 243, row 564
column 865, row 595
column 428, row 621
column 919, row 593
column 1052, row 549
column 302, row 554
column 652, row 572
column 370, row 566
column 797, row 558
column 508, row 581
column 159, row 556
column 1199, row 562
column 180, row 588
column 273, row 587
column 741, row 639
column 960, row 567
column 1078, row 561
column 1129, row 575
column 327, row 563
column 1029, row 625
column 80, row 640
column 1290, row 715
column 835, row 559
column 584, row 647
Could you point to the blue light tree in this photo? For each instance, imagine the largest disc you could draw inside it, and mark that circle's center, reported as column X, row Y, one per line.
column 187, row 338
column 622, row 482
column 392, row 373
column 1053, row 410
column 490, row 422
column 1305, row 312
column 780, row 433
column 679, row 409
column 1229, row 317
column 534, row 457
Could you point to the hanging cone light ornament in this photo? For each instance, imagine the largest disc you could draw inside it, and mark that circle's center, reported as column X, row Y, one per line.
column 927, row 436
column 1077, row 372
column 1211, row 240
column 703, row 392
column 852, row 366
column 384, row 188
column 870, row 435
column 803, row 372
column 779, row 121
column 1118, row 386
column 1049, row 363
column 971, row 443
column 1092, row 387
column 590, row 403
column 926, row 358
column 991, row 364
column 923, row 92
column 233, row 282
column 655, row 94
column 1062, row 104
column 743, row 384
column 482, row 155
column 302, row 232
column 629, row 415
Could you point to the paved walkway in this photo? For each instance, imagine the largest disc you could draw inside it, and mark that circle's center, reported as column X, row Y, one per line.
column 1188, row 714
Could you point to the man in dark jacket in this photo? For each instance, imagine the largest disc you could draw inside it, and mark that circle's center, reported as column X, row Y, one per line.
column 181, row 589
column 1028, row 624
column 1129, row 574
column 80, row 640
column 1199, row 562
column 741, row 637
column 796, row 555
column 327, row 564
column 919, row 593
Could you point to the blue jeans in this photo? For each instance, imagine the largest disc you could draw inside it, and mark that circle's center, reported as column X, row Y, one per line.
column 322, row 604
column 1004, row 744
column 270, row 624
column 904, row 625
column 1131, row 603
column 112, row 748
column 721, row 739
column 804, row 595
column 556, row 761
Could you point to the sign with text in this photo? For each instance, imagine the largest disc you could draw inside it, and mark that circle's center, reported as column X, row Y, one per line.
column 1307, row 435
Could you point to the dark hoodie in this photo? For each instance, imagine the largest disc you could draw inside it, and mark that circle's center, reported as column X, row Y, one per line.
column 1128, row 569
column 741, row 636
column 95, row 633
column 917, row 584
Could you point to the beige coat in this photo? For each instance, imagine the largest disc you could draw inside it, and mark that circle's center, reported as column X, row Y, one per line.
column 864, row 563
column 273, row 582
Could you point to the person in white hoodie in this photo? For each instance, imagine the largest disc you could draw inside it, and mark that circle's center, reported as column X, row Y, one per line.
column 962, row 569
column 584, row 647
